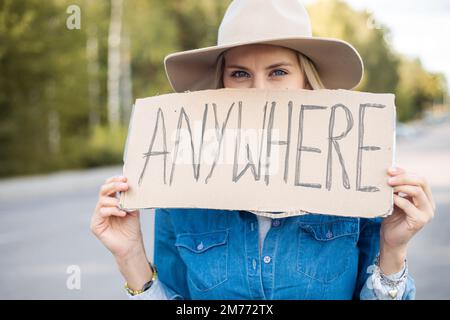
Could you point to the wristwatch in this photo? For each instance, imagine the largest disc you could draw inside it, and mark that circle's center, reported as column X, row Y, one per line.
column 147, row 285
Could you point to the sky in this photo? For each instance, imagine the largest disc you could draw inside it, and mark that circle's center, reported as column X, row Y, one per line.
column 418, row 28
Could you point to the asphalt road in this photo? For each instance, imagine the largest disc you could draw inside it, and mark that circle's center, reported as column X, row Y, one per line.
column 45, row 239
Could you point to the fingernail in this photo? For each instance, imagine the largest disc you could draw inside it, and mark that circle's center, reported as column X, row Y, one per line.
column 391, row 180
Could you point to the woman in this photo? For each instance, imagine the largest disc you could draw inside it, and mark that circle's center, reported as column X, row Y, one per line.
column 215, row 254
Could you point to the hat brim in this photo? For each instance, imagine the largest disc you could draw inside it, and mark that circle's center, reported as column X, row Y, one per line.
column 338, row 63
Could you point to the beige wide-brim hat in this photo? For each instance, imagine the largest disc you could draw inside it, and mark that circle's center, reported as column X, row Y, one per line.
column 283, row 23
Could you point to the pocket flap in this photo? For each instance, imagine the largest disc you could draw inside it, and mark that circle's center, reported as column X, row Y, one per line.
column 331, row 230
column 199, row 242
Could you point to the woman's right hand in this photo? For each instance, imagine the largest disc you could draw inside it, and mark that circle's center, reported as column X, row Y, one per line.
column 119, row 231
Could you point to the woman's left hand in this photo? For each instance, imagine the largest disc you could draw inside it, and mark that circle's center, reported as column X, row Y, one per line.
column 411, row 213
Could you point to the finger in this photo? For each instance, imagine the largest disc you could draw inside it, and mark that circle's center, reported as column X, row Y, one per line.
column 407, row 206
column 119, row 178
column 417, row 194
column 134, row 213
column 108, row 202
column 409, row 179
column 112, row 211
column 393, row 171
column 420, row 218
column 113, row 187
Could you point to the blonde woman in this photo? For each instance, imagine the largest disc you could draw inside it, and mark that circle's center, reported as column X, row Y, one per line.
column 215, row 254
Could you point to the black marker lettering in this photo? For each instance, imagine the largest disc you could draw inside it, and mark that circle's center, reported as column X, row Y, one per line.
column 250, row 164
column 219, row 135
column 286, row 142
column 150, row 151
column 361, row 147
column 301, row 148
column 333, row 142
column 195, row 165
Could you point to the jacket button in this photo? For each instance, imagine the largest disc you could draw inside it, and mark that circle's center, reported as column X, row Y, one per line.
column 200, row 246
column 276, row 223
column 267, row 259
column 329, row 235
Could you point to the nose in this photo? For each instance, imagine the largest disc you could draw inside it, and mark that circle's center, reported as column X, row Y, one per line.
column 259, row 83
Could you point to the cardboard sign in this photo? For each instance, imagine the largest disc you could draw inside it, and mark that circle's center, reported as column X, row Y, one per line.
column 318, row 151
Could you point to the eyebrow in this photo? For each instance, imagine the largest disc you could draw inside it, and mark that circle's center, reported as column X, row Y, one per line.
column 275, row 65
column 279, row 64
column 235, row 66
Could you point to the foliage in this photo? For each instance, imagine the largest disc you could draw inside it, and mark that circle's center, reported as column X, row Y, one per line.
column 53, row 87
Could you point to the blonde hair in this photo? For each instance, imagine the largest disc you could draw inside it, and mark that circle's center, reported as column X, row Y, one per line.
column 308, row 68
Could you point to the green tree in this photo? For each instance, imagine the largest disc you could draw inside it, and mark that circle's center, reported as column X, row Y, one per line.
column 41, row 65
column 384, row 69
column 53, row 81
column 335, row 18
column 417, row 89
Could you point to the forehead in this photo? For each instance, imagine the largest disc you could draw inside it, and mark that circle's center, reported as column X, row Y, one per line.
column 249, row 53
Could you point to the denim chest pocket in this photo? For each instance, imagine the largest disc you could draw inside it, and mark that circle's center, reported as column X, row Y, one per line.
column 205, row 256
column 325, row 247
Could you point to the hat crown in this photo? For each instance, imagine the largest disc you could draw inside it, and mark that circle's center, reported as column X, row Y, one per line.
column 254, row 20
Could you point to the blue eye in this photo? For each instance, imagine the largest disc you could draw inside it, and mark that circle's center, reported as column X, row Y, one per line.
column 239, row 74
column 279, row 72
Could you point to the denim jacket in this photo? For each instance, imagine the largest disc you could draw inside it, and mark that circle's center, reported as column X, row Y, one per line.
column 214, row 254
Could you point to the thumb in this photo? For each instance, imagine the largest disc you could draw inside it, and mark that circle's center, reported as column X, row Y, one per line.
column 134, row 213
